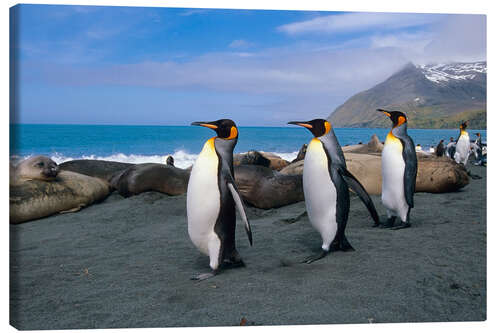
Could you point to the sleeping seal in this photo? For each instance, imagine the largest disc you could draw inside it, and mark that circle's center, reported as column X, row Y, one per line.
column 38, row 189
column 35, row 167
column 138, row 178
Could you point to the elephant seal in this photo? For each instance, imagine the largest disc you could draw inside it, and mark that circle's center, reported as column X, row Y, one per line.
column 294, row 168
column 36, row 167
column 32, row 198
column 435, row 174
column 261, row 158
column 276, row 162
column 139, row 178
column 95, row 168
column 251, row 157
column 373, row 146
column 265, row 188
column 302, row 153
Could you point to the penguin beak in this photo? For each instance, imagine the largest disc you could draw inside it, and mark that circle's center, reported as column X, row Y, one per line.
column 301, row 123
column 204, row 124
column 387, row 113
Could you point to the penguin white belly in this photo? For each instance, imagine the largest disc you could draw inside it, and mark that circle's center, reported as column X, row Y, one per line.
column 393, row 168
column 320, row 193
column 203, row 201
column 463, row 149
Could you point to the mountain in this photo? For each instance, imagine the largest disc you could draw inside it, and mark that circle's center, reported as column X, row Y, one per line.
column 432, row 96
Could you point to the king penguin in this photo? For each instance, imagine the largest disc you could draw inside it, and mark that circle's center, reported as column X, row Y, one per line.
column 399, row 171
column 325, row 182
column 212, row 196
column 462, row 150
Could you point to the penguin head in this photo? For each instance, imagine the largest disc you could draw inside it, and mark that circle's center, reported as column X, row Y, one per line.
column 398, row 118
column 225, row 128
column 463, row 126
column 318, row 127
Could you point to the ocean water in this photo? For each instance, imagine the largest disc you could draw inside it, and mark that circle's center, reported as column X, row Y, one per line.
column 141, row 144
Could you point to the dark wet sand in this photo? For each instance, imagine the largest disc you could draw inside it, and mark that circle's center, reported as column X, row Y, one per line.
column 128, row 263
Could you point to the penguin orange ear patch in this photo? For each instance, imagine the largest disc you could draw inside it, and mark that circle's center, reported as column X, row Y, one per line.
column 328, row 127
column 233, row 134
column 401, row 120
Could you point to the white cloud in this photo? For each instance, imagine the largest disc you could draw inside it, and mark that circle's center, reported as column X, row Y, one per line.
column 355, row 22
column 460, row 38
column 193, row 11
column 304, row 78
column 240, row 44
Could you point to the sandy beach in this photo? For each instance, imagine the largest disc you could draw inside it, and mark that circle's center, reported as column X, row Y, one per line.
column 128, row 262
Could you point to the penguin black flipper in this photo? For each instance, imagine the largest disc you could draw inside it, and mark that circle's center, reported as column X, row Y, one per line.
column 342, row 208
column 411, row 167
column 239, row 204
column 357, row 187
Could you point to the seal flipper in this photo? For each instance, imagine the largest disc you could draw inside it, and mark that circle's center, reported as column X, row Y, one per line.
column 241, row 210
column 357, row 187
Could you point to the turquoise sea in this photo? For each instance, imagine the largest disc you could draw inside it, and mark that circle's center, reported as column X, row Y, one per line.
column 140, row 144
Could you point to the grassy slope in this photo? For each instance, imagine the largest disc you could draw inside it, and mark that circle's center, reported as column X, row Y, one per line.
column 426, row 117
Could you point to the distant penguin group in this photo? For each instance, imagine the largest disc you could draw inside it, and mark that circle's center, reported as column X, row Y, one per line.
column 213, row 198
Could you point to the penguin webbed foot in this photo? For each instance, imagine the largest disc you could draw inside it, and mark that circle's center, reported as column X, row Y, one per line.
column 343, row 245
column 233, row 263
column 204, row 276
column 389, row 223
column 403, row 225
column 315, row 257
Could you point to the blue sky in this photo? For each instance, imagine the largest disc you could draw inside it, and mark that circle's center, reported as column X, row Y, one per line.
column 172, row 66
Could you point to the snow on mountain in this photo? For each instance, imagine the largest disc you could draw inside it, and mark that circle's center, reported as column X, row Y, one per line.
column 433, row 95
column 442, row 73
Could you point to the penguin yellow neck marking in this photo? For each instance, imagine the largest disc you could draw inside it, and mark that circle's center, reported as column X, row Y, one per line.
column 209, row 147
column 315, row 145
column 393, row 141
column 463, row 132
